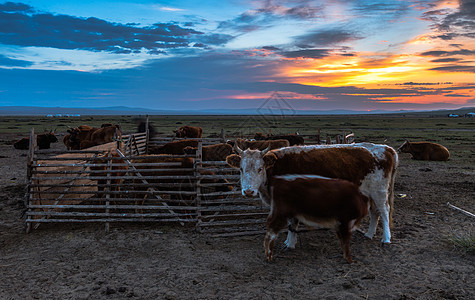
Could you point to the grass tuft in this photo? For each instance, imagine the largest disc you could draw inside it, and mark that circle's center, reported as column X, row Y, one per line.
column 463, row 241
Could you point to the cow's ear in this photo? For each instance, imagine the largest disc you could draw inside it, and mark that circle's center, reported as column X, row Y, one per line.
column 234, row 160
column 269, row 160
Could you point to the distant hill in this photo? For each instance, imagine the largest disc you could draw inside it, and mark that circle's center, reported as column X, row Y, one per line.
column 123, row 110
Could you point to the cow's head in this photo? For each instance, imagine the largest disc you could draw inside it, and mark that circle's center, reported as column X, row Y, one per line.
column 52, row 137
column 179, row 132
column 405, row 147
column 252, row 165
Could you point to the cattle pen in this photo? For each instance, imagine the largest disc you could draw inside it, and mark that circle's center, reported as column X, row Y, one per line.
column 120, row 182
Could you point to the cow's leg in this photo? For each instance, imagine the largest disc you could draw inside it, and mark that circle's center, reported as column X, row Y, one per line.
column 373, row 222
column 275, row 224
column 291, row 240
column 380, row 199
column 344, row 234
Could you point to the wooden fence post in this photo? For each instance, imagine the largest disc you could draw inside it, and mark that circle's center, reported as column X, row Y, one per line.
column 147, row 135
column 223, row 136
column 329, row 140
column 197, row 166
column 318, row 137
column 29, row 196
column 107, row 187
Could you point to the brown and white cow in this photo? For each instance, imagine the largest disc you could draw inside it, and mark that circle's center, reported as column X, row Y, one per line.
column 189, row 132
column 425, row 151
column 261, row 145
column 315, row 201
column 372, row 167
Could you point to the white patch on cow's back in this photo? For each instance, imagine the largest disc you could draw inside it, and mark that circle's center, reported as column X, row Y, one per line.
column 299, row 149
column 292, row 177
column 377, row 150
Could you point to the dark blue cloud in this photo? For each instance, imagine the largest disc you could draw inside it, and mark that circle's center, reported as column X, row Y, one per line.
column 325, row 37
column 271, row 11
column 15, row 7
column 307, row 53
column 8, row 62
column 22, row 26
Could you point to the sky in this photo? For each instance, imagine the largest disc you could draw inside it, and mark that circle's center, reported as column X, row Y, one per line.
column 238, row 54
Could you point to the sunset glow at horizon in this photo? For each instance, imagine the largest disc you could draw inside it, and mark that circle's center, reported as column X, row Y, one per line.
column 319, row 55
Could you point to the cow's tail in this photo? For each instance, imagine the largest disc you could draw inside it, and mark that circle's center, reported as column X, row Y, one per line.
column 391, row 188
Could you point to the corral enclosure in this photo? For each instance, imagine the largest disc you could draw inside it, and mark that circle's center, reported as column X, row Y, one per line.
column 119, row 182
column 426, row 259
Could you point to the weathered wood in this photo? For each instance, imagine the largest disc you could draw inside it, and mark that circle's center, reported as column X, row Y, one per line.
column 116, row 206
column 110, row 220
column 467, row 213
column 197, row 165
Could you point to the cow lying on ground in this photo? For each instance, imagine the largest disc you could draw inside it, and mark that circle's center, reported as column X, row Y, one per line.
column 43, row 141
column 315, row 200
column 261, row 145
column 294, row 139
column 189, row 132
column 175, row 147
column 425, row 151
column 371, row 167
column 217, row 152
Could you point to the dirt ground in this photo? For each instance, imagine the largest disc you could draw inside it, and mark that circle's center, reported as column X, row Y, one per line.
column 75, row 261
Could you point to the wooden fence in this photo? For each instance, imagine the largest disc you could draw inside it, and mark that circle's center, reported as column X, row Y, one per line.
column 118, row 182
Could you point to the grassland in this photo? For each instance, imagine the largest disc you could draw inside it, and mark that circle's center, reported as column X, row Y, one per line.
column 455, row 133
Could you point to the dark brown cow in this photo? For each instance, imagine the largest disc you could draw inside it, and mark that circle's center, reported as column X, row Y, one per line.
column 370, row 166
column 78, row 135
column 217, row 152
column 70, row 144
column 189, row 132
column 43, row 141
column 87, row 136
column 425, row 151
column 261, row 145
column 175, row 147
column 104, row 134
column 315, row 200
column 294, row 139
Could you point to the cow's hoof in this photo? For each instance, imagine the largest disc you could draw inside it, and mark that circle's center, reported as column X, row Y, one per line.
column 369, row 236
column 286, row 247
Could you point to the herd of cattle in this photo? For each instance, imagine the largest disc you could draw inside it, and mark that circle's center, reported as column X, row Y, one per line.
column 319, row 185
